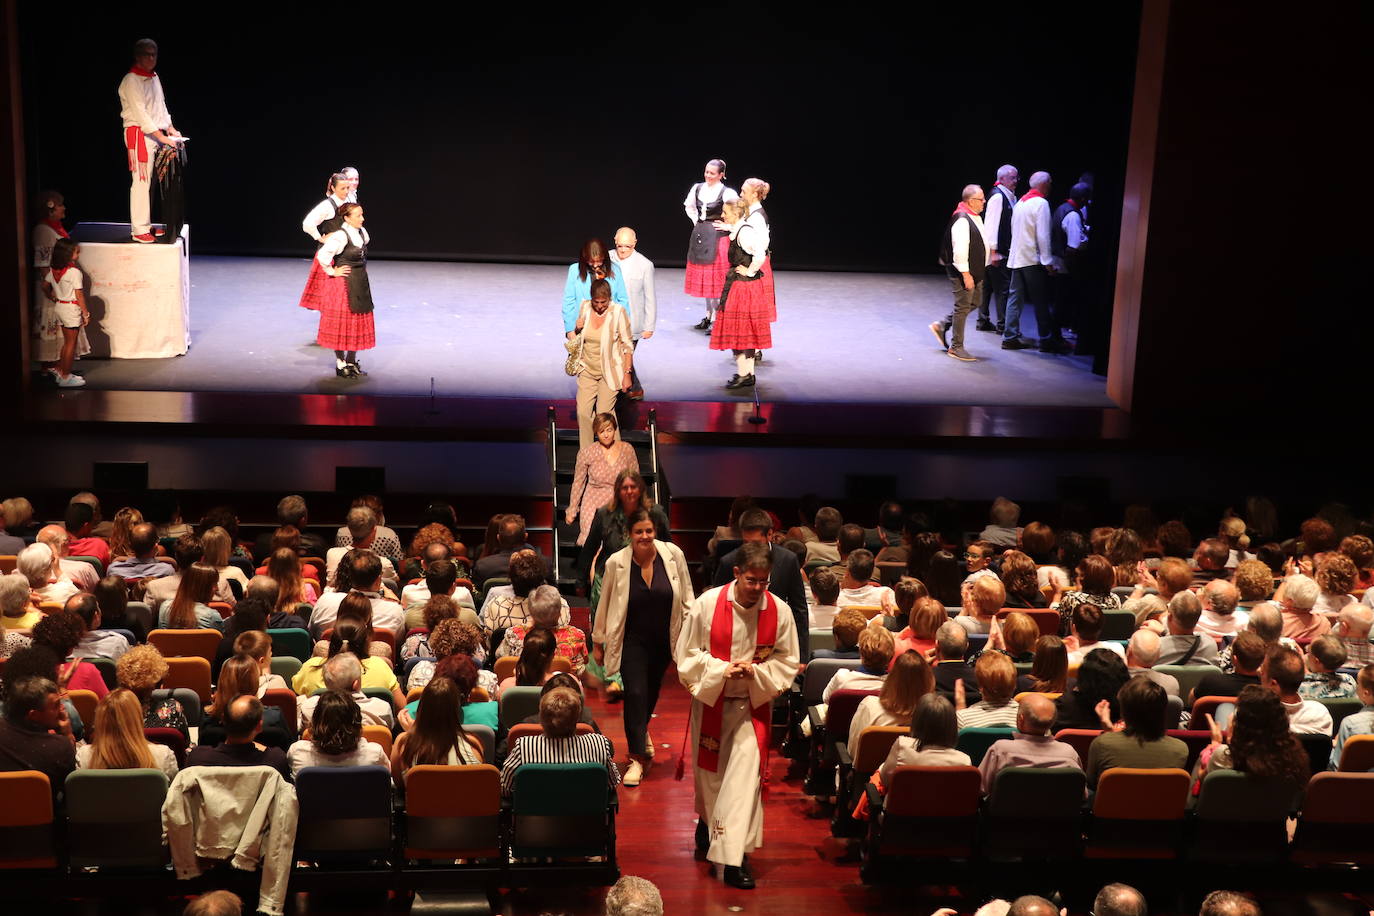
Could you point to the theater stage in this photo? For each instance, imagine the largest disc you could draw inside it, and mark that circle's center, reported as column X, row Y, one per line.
column 493, row 331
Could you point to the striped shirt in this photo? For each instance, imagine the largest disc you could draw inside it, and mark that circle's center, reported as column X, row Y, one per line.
column 982, row 715
column 589, row 747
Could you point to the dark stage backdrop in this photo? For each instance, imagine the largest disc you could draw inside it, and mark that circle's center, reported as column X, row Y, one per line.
column 515, row 135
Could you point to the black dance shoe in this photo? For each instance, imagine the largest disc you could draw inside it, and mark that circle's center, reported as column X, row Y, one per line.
column 357, row 369
column 737, row 381
column 703, row 837
column 703, row 325
column 348, row 371
column 739, row 876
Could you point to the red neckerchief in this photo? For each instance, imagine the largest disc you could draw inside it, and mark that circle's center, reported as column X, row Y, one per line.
column 57, row 272
column 963, row 208
column 56, row 226
column 1033, row 192
column 139, row 71
column 1076, row 204
column 722, row 640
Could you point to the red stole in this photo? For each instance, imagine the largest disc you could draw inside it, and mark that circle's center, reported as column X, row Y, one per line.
column 1033, row 192
column 56, row 226
column 722, row 640
column 133, row 136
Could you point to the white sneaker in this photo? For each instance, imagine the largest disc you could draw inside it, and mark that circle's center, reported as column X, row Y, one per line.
column 70, row 381
column 634, row 773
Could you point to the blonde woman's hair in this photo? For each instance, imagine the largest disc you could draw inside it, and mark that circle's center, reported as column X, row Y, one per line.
column 118, row 742
column 218, row 546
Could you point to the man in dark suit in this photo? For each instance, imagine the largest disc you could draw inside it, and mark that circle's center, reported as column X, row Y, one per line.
column 785, row 581
column 951, row 645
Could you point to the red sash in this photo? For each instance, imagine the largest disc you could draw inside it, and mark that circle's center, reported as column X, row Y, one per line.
column 722, row 639
column 138, row 150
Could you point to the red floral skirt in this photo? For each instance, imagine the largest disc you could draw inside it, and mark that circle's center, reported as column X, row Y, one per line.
column 704, row 281
column 314, row 286
column 745, row 324
column 341, row 329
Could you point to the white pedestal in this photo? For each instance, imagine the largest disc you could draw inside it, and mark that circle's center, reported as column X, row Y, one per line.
column 139, row 295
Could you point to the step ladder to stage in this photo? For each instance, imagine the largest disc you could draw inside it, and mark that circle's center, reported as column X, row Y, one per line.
column 562, row 450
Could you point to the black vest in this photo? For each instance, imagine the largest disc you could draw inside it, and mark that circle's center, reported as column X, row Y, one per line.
column 1004, row 224
column 333, row 223
column 977, row 251
column 1059, row 239
column 709, row 212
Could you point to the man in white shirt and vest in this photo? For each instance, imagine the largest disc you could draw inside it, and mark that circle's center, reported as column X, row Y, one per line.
column 147, row 126
column 965, row 259
column 997, row 238
column 1032, row 262
column 638, row 274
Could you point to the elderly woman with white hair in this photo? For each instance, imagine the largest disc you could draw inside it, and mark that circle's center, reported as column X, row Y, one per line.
column 1296, row 598
column 41, row 567
column 545, row 606
column 16, row 613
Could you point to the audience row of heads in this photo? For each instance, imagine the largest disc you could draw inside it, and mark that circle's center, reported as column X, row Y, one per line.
column 1121, row 900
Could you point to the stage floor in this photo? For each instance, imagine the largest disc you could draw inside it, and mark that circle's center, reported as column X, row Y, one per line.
column 494, row 330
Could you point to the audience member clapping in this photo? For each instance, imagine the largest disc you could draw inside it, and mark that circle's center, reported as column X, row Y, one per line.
column 1257, row 741
column 1139, row 739
column 1100, row 677
column 61, row 633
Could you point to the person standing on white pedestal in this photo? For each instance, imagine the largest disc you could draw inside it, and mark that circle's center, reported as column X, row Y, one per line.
column 638, row 273
column 62, row 284
column 147, row 125
column 736, row 652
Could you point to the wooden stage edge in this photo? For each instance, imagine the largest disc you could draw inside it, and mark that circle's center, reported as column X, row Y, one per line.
column 363, row 417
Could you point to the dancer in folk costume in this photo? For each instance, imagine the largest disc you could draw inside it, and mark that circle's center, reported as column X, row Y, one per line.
column 62, row 283
column 147, row 126
column 322, row 220
column 346, row 324
column 709, row 242
column 743, row 321
column 51, row 208
column 736, row 652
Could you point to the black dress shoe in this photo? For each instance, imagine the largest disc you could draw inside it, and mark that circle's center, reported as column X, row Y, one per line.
column 986, row 326
column 737, row 381
column 345, row 372
column 703, row 325
column 758, row 356
column 1058, row 347
column 357, row 369
column 1018, row 343
column 739, row 876
column 703, row 837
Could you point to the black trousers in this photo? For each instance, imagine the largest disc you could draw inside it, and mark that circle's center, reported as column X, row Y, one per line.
column 995, row 287
column 642, row 667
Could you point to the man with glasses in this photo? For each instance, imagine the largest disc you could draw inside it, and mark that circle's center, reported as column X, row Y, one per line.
column 638, row 274
column 736, row 652
column 965, row 258
column 147, row 128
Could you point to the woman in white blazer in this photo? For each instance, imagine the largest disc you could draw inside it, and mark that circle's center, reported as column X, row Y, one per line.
column 645, row 592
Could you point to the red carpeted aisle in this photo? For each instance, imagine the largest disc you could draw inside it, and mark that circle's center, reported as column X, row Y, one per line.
column 656, row 826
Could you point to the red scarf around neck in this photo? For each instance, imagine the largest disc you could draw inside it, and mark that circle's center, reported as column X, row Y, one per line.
column 57, row 272
column 963, row 208
column 1033, row 192
column 139, row 71
column 722, row 641
column 56, row 226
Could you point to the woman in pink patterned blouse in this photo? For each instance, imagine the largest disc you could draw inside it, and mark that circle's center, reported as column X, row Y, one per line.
column 597, row 466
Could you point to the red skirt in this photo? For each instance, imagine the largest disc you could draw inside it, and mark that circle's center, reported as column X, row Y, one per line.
column 744, row 324
column 340, row 328
column 314, row 287
column 767, row 283
column 704, row 281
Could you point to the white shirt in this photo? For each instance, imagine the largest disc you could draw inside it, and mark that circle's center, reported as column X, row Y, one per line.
column 386, row 614
column 318, row 214
column 101, row 644
column 303, row 754
column 334, row 555
column 1030, row 233
column 1076, row 656
column 418, row 594
column 142, row 104
column 376, row 711
column 43, row 237
column 999, row 208
column 65, row 289
column 81, row 573
column 638, row 273
column 823, row 616
column 164, row 758
column 1216, row 626
column 1308, row 717
column 336, row 242
column 709, row 195
column 754, row 242
column 867, row 595
column 958, row 236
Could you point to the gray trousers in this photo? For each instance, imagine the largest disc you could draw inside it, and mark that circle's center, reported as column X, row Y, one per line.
column 965, row 301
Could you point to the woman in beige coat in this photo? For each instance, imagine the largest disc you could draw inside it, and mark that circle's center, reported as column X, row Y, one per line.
column 645, row 592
